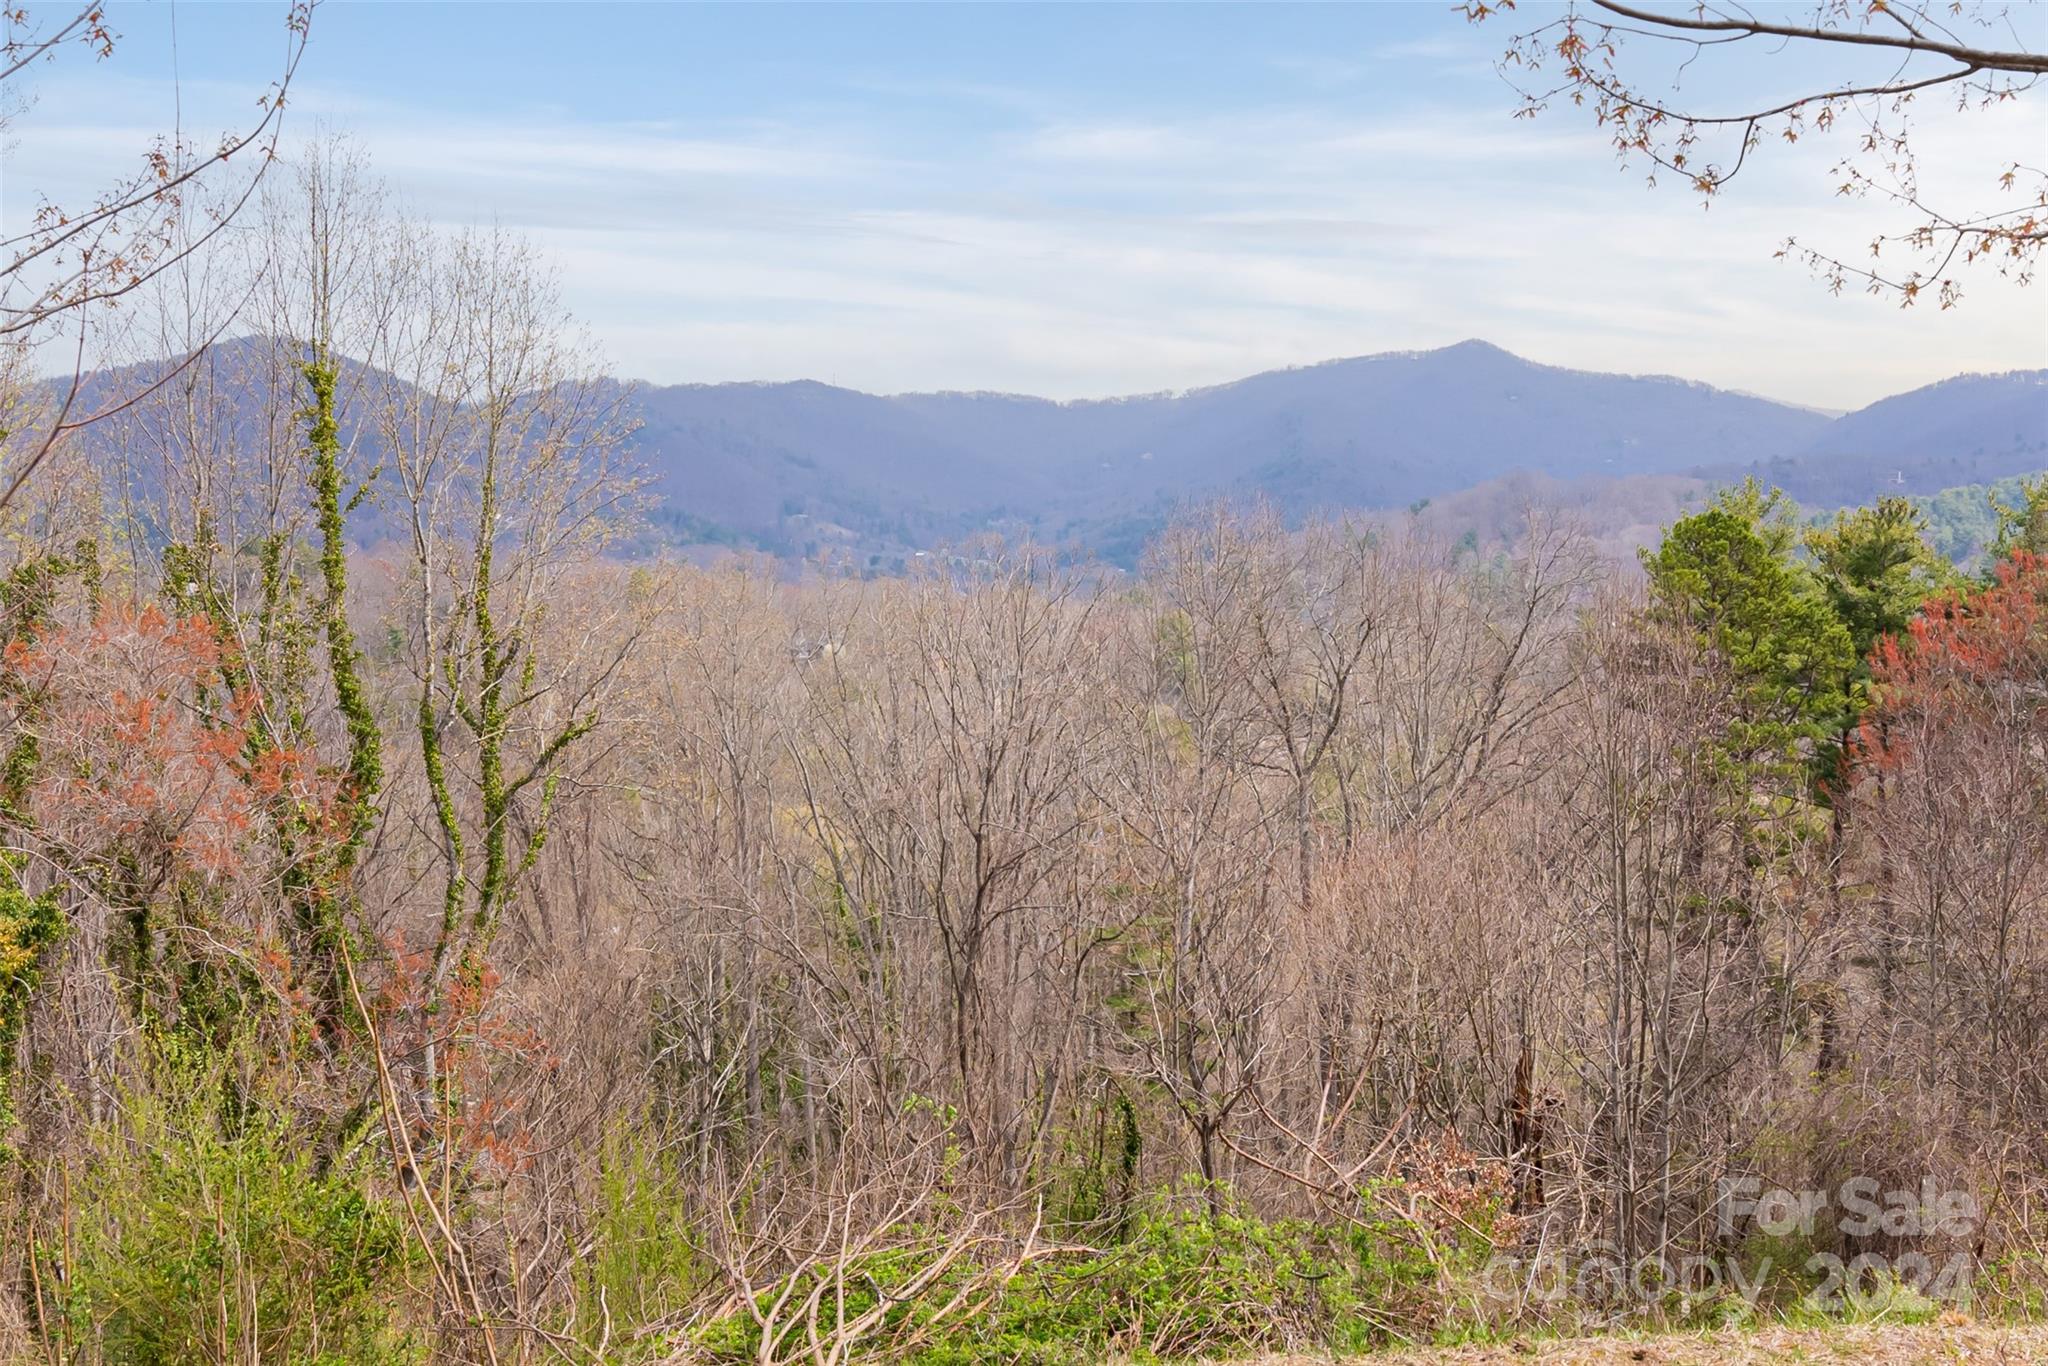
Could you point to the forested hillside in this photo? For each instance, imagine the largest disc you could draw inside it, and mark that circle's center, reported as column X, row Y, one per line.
column 803, row 469
column 812, row 473
column 491, row 945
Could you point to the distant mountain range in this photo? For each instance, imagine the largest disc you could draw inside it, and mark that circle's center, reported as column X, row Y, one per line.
column 803, row 467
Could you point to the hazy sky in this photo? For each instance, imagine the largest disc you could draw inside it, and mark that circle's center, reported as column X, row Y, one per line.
column 1067, row 200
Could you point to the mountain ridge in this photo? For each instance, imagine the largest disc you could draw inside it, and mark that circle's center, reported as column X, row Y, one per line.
column 1384, row 429
column 799, row 467
column 1469, row 345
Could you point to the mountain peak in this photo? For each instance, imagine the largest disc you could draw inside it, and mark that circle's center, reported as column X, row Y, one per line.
column 1475, row 347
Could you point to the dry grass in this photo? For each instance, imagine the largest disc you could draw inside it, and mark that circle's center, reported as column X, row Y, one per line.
column 1878, row 1344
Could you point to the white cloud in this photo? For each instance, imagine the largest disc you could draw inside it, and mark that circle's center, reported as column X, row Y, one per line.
column 1075, row 256
column 1111, row 143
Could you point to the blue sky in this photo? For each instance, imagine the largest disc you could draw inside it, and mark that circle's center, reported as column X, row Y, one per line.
column 1069, row 200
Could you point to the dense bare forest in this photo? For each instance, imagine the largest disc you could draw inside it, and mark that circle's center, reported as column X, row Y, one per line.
column 430, row 934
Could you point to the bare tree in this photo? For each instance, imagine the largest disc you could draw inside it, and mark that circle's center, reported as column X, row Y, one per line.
column 506, row 451
column 944, row 799
column 72, row 263
column 1464, row 676
column 1599, row 55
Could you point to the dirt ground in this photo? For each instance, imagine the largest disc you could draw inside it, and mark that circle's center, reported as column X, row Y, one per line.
column 1878, row 1344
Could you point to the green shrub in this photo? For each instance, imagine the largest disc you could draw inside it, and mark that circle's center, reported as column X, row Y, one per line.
column 1188, row 1280
column 1185, row 1284
column 202, row 1230
column 28, row 927
column 1095, row 1174
column 643, row 1265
